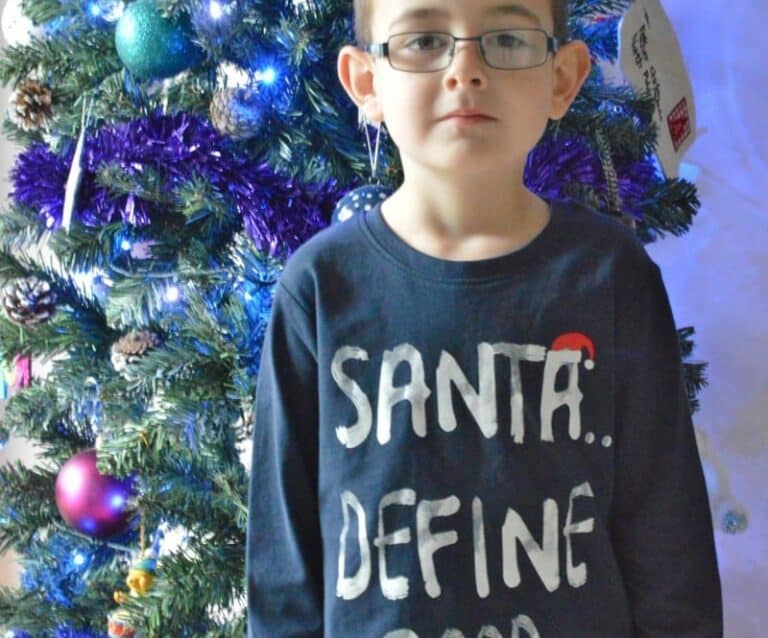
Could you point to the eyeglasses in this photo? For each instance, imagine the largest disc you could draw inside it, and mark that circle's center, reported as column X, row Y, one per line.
column 427, row 51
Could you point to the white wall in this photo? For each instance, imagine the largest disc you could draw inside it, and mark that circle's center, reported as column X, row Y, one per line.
column 716, row 276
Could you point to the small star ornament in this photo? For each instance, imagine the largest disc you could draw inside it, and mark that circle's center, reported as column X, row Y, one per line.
column 358, row 201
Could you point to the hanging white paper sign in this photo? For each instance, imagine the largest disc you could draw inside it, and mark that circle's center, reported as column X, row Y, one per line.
column 651, row 60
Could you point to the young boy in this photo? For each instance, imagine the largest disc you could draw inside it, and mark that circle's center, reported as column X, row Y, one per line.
column 471, row 415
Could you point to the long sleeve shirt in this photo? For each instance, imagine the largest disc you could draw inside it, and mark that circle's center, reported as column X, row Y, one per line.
column 477, row 448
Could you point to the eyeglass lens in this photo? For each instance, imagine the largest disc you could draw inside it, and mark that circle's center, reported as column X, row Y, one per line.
column 432, row 51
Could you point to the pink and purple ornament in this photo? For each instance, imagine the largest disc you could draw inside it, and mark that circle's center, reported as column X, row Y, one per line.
column 93, row 503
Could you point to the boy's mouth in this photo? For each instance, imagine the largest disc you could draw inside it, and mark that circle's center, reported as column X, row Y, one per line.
column 468, row 114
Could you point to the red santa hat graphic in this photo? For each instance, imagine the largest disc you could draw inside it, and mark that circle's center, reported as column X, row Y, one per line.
column 576, row 341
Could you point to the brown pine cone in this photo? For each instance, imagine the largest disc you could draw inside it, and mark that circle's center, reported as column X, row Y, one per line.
column 29, row 301
column 30, row 105
column 138, row 342
column 130, row 348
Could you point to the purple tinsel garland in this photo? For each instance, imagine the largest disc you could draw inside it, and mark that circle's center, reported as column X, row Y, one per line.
column 553, row 166
column 61, row 632
column 278, row 214
column 68, row 632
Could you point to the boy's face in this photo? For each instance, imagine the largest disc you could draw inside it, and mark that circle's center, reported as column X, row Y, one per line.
column 413, row 105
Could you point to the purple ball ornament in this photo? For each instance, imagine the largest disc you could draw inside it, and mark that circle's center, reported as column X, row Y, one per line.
column 93, row 503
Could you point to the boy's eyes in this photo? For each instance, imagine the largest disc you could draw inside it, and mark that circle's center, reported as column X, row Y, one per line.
column 435, row 41
column 428, row 41
column 506, row 40
column 423, row 51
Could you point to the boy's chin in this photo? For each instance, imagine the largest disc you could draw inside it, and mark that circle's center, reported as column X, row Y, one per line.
column 463, row 165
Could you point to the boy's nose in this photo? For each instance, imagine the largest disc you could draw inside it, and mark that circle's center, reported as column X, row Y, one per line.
column 468, row 65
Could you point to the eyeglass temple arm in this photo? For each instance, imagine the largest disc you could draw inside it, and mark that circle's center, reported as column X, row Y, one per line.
column 379, row 50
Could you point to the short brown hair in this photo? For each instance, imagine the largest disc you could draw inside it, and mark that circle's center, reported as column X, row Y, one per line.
column 364, row 35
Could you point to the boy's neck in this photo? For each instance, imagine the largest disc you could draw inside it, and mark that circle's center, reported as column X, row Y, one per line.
column 470, row 218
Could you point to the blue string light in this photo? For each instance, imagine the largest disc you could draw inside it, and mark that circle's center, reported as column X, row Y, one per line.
column 215, row 10
column 104, row 12
column 172, row 294
column 267, row 76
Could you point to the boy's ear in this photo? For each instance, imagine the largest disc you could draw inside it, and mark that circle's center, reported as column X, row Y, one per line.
column 356, row 72
column 572, row 67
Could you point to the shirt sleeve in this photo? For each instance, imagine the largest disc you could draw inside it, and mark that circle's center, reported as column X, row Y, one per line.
column 661, row 522
column 284, row 549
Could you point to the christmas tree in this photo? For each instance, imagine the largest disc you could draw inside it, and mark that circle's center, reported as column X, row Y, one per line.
column 176, row 153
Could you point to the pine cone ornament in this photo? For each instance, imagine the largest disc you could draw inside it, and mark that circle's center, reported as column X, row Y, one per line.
column 131, row 347
column 237, row 112
column 30, row 105
column 29, row 301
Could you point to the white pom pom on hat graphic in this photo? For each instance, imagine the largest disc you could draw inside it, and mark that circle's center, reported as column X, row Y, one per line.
column 576, row 341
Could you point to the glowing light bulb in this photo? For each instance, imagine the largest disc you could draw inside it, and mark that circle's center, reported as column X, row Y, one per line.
column 106, row 10
column 117, row 501
column 215, row 10
column 173, row 294
column 268, row 76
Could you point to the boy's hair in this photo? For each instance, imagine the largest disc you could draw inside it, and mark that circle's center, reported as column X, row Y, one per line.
column 363, row 9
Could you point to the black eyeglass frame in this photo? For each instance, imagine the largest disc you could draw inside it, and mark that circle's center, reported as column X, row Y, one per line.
column 382, row 49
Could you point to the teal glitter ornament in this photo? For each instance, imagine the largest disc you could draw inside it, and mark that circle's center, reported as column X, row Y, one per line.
column 151, row 46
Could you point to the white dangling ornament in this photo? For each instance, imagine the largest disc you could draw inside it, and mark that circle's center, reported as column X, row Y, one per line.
column 76, row 171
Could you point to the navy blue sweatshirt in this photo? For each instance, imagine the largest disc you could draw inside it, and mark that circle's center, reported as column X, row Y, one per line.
column 489, row 448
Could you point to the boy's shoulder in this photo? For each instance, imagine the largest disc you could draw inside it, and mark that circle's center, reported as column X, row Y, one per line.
column 334, row 247
column 608, row 248
column 632, row 269
column 601, row 231
column 601, row 222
